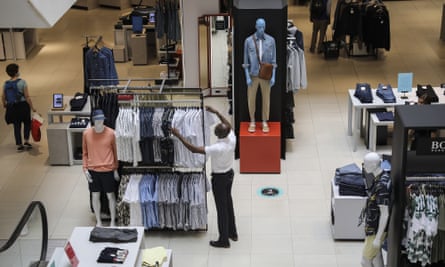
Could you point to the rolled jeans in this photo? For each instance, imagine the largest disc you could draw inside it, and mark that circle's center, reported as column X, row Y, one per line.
column 265, row 94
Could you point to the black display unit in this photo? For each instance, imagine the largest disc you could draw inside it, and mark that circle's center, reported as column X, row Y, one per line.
column 245, row 13
column 405, row 161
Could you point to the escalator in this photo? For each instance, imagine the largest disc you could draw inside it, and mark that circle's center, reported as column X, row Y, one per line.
column 11, row 249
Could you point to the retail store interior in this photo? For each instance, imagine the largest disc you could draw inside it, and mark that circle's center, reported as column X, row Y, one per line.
column 292, row 229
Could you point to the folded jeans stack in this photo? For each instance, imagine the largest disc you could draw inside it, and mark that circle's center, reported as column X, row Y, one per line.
column 350, row 181
column 363, row 92
column 385, row 93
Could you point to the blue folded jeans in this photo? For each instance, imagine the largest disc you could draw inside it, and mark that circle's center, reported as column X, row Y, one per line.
column 385, row 93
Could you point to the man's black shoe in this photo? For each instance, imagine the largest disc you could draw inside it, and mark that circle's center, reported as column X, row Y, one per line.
column 219, row 244
column 234, row 238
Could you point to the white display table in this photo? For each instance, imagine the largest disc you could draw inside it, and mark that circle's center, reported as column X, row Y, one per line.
column 356, row 108
column 87, row 252
column 345, row 211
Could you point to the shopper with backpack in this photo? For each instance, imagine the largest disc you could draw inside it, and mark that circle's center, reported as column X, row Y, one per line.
column 18, row 106
column 320, row 16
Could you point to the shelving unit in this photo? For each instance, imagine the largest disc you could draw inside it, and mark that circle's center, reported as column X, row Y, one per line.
column 404, row 162
column 20, row 44
column 345, row 211
column 65, row 142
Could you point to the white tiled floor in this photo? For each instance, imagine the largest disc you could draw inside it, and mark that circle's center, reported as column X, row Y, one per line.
column 291, row 230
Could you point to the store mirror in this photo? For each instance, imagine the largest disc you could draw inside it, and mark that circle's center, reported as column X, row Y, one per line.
column 215, row 48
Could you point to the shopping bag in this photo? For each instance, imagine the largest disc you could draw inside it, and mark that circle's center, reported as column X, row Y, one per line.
column 36, row 123
column 331, row 49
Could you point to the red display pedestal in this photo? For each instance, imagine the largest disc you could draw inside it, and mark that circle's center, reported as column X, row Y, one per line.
column 260, row 152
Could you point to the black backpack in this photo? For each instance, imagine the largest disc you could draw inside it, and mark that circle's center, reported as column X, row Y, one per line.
column 12, row 93
column 317, row 8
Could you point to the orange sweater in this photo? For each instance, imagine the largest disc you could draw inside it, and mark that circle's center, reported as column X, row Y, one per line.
column 99, row 150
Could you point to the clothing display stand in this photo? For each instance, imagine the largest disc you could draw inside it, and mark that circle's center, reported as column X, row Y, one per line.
column 63, row 141
column 169, row 30
column 136, row 97
column 405, row 162
column 363, row 26
column 245, row 13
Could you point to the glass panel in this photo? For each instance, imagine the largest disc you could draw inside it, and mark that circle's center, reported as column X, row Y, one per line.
column 28, row 246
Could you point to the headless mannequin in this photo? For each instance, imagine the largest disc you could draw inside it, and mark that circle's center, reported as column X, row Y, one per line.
column 99, row 128
column 371, row 165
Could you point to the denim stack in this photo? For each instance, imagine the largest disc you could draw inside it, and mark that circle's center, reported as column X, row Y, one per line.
column 363, row 92
column 385, row 116
column 350, row 180
column 385, row 93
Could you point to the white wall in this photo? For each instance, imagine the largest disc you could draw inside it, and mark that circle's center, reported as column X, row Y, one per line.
column 32, row 13
column 192, row 9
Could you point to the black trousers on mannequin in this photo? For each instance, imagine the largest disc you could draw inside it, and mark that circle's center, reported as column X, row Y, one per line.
column 222, row 192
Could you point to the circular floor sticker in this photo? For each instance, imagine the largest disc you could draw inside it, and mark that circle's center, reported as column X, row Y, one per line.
column 269, row 191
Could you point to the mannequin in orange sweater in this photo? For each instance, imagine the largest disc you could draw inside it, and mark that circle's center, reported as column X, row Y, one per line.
column 99, row 156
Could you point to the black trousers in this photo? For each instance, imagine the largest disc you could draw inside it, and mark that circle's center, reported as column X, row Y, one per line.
column 22, row 115
column 222, row 192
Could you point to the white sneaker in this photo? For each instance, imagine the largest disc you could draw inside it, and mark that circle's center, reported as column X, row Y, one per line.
column 265, row 127
column 251, row 128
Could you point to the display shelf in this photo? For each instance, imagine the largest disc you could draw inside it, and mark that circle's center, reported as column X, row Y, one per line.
column 21, row 43
column 87, row 252
column 404, row 161
column 65, row 143
column 345, row 211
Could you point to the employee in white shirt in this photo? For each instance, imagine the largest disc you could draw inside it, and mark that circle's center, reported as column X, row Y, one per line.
column 221, row 153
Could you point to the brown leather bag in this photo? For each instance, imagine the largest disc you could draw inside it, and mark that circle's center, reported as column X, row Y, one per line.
column 266, row 69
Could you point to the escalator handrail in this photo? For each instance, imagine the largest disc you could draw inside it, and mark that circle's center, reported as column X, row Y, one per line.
column 25, row 218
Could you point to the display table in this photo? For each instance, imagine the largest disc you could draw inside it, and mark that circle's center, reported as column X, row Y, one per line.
column 356, row 108
column 167, row 263
column 260, row 152
column 373, row 124
column 345, row 211
column 87, row 252
column 64, row 142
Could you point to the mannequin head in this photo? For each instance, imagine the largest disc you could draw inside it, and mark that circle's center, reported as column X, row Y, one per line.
column 260, row 27
column 98, row 118
column 371, row 163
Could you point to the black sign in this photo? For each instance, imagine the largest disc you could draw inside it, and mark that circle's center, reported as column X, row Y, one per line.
column 430, row 146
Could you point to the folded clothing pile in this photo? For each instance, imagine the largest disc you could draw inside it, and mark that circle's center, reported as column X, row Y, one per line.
column 349, row 179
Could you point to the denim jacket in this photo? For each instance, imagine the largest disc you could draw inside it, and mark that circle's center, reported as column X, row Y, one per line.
column 250, row 56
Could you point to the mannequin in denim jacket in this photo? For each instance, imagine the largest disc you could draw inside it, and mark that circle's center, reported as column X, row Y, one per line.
column 266, row 53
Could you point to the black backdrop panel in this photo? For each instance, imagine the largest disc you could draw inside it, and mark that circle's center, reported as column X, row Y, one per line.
column 244, row 26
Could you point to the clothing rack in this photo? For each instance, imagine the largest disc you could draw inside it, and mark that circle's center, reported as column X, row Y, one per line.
column 192, row 97
column 425, row 179
column 158, row 169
